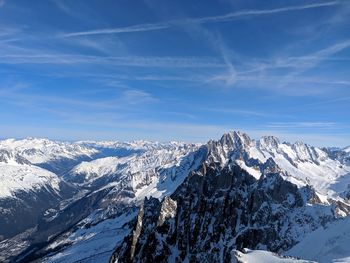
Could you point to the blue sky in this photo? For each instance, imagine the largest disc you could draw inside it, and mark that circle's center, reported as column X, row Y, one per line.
column 175, row 70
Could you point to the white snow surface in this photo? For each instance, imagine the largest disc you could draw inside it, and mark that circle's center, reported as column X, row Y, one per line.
column 153, row 173
column 18, row 175
column 133, row 145
column 26, row 178
column 347, row 149
column 326, row 244
column 100, row 167
column 37, row 150
column 251, row 170
column 93, row 244
column 262, row 256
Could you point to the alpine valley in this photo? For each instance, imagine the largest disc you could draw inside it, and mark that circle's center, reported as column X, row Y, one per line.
column 235, row 199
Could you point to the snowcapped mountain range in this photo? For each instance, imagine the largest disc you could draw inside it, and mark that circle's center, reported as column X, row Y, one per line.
column 19, row 175
column 233, row 199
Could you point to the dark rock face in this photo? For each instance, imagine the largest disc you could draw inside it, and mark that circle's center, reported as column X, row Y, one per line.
column 217, row 210
column 6, row 156
column 61, row 223
column 24, row 211
column 67, row 220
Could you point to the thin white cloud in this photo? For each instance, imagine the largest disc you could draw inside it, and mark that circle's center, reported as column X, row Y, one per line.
column 235, row 111
column 303, row 62
column 2, row 41
column 2, row 3
column 129, row 29
column 132, row 61
column 257, row 12
column 66, row 8
column 308, row 61
column 132, row 96
column 209, row 19
column 302, row 65
column 63, row 7
column 228, row 76
column 303, row 125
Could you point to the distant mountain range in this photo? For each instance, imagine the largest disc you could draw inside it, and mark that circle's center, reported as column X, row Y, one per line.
column 230, row 200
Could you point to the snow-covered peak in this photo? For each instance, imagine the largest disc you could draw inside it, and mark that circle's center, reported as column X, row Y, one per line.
column 16, row 177
column 230, row 145
column 305, row 152
column 237, row 139
column 140, row 145
column 303, row 164
column 90, row 171
column 40, row 150
column 347, row 149
column 269, row 142
column 146, row 173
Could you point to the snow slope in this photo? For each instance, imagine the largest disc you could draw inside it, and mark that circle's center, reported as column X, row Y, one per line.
column 26, row 191
column 347, row 149
column 25, row 178
column 262, row 256
column 92, row 244
column 140, row 145
column 151, row 173
column 18, row 175
column 90, row 171
column 326, row 244
column 39, row 151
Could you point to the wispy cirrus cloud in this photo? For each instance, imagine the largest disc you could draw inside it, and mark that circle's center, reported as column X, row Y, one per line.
column 63, row 7
column 129, row 29
column 300, row 63
column 131, row 61
column 236, row 111
column 260, row 12
column 133, row 96
column 202, row 20
column 303, row 125
column 310, row 60
column 20, row 95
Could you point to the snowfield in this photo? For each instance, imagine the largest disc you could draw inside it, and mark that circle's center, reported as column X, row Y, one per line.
column 326, row 244
column 262, row 256
column 38, row 151
column 25, row 178
column 18, row 175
